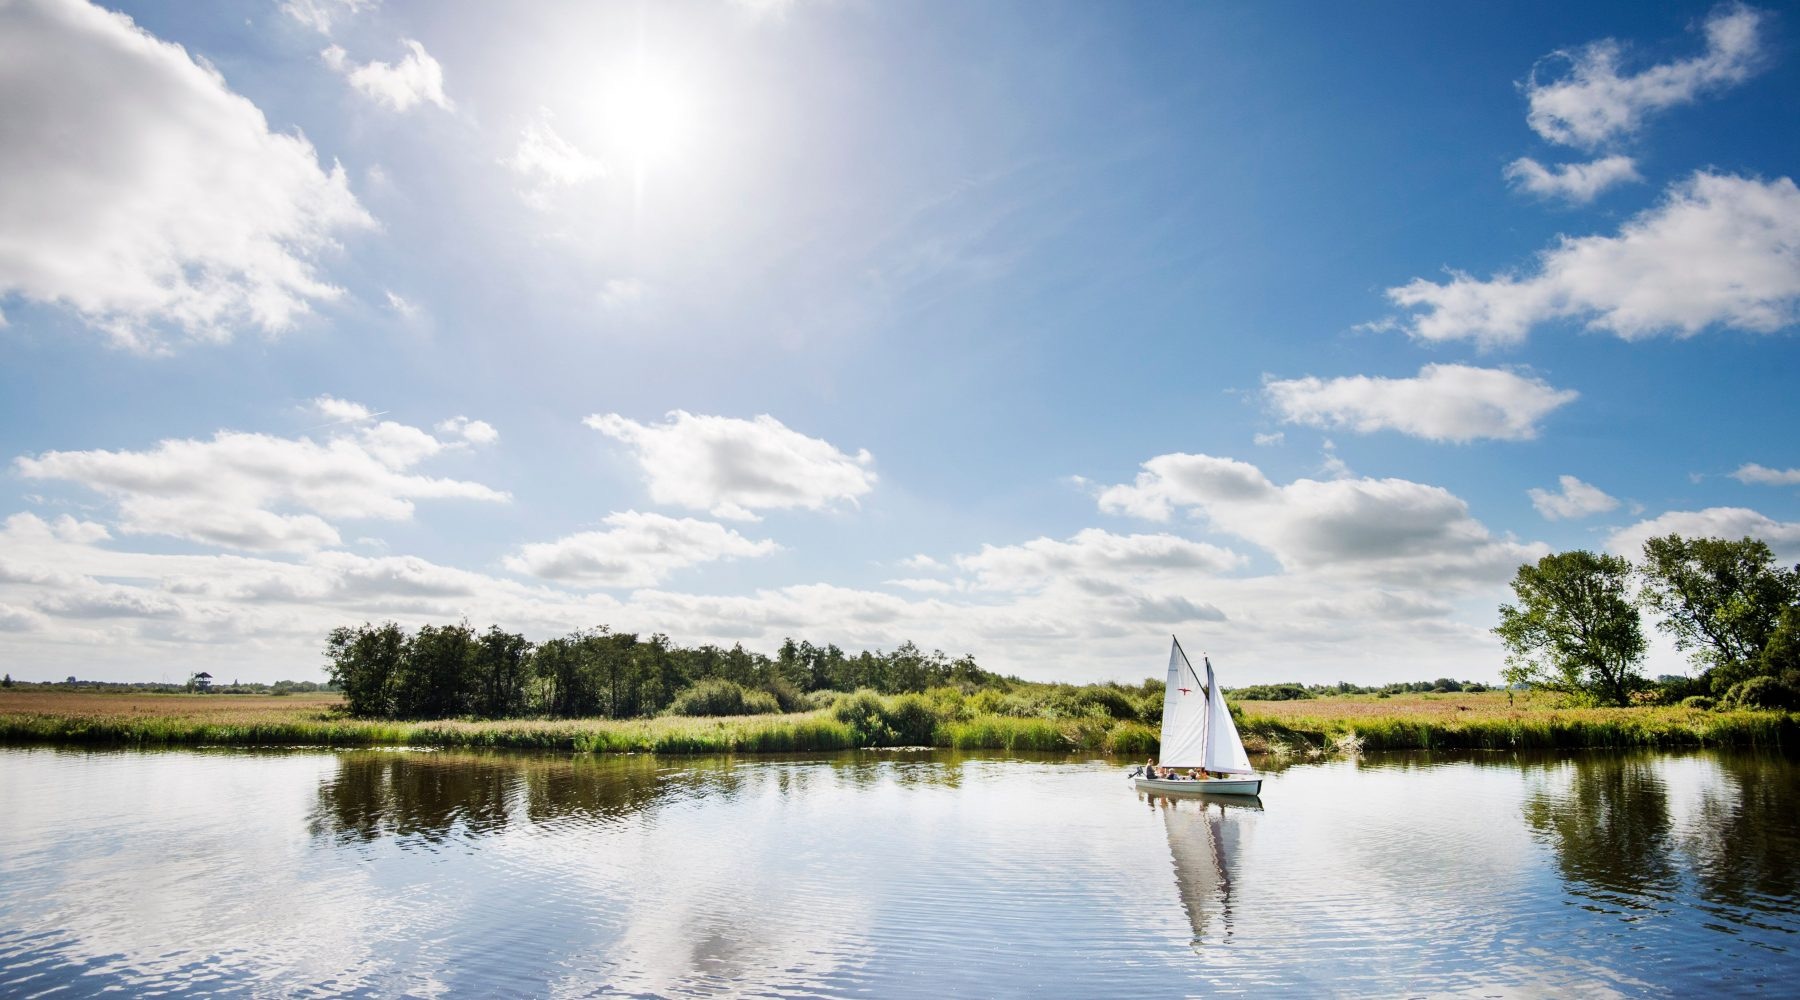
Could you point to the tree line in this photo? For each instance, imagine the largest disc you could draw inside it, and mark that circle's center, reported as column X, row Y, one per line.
column 453, row 671
column 1576, row 625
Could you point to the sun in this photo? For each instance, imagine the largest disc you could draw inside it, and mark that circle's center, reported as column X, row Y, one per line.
column 649, row 116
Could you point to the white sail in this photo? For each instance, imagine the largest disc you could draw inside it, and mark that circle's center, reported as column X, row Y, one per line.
column 1184, row 714
column 1224, row 752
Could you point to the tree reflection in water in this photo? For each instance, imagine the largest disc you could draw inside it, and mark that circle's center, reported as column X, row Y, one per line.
column 433, row 797
column 1610, row 827
column 1745, row 838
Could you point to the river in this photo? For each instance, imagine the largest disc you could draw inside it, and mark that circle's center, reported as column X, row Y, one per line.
column 891, row 874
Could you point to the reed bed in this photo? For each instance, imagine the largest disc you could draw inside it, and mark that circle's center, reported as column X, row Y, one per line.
column 1486, row 721
column 1311, row 727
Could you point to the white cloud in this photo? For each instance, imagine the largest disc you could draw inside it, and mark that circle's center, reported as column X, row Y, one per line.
column 1443, row 403
column 1269, row 440
column 1752, row 473
column 927, row 586
column 256, row 491
column 341, row 410
column 735, row 467
column 638, row 550
column 1719, row 250
column 1576, row 500
column 1713, row 522
column 405, row 308
column 416, row 78
column 617, row 293
column 1577, row 183
column 1095, row 554
column 548, row 162
column 138, row 190
column 921, row 561
column 472, row 431
column 320, row 15
column 1392, row 528
column 1594, row 103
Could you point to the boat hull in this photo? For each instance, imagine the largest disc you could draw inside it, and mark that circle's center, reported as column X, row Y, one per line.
column 1251, row 785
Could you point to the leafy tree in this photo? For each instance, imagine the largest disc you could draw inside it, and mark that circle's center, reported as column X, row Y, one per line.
column 1574, row 629
column 364, row 663
column 435, row 680
column 1718, row 598
column 1781, row 654
column 502, row 666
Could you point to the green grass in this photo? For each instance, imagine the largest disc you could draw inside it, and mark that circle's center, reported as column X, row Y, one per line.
column 1489, row 722
column 1310, row 727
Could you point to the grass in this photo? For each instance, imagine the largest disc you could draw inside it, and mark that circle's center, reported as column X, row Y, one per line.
column 1314, row 726
column 1487, row 721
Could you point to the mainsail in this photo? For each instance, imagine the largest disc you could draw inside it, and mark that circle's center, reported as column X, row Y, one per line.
column 1184, row 713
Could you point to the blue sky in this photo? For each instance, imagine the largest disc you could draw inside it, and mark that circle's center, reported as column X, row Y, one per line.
column 1036, row 331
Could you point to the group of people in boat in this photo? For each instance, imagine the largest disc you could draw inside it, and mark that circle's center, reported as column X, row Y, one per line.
column 1150, row 770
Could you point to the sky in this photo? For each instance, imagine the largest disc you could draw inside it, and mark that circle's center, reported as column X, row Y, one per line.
column 1037, row 331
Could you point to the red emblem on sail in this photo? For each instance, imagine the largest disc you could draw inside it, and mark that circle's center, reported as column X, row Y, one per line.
column 1184, row 690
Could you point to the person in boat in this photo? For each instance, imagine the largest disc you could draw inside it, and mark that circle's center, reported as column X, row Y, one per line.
column 1196, row 774
column 1149, row 767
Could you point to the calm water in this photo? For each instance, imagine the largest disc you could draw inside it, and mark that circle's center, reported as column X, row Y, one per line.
column 890, row 874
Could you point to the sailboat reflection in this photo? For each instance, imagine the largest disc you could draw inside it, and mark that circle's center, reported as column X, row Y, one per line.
column 1206, row 836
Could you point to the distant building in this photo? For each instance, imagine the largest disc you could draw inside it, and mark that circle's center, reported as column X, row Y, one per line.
column 202, row 681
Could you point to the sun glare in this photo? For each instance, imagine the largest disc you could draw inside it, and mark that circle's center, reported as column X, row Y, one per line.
column 650, row 116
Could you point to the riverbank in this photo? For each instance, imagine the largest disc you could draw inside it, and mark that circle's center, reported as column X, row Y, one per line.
column 1289, row 728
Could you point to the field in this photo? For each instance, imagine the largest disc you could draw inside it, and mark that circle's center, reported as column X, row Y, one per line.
column 1490, row 721
column 1343, row 723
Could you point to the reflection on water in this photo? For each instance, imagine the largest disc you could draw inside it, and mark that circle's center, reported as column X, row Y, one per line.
column 1206, row 834
column 1608, row 819
column 890, row 874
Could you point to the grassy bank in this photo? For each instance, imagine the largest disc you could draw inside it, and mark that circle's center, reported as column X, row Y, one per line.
column 1489, row 721
column 317, row 720
column 1299, row 728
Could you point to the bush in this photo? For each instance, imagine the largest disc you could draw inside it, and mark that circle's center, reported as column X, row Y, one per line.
column 722, row 697
column 786, row 695
column 1114, row 702
column 1761, row 692
column 866, row 717
column 1271, row 692
column 911, row 720
column 1698, row 701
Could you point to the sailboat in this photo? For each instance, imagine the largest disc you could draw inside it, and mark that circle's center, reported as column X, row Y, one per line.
column 1197, row 732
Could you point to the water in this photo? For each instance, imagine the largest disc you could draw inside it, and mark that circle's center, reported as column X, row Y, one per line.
column 232, row 873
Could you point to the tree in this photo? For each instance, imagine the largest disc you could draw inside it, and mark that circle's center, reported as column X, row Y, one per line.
column 1574, row 629
column 501, row 667
column 364, row 664
column 1718, row 598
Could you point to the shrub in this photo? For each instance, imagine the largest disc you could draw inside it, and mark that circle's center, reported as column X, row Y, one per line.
column 1698, row 701
column 1114, row 702
column 1271, row 692
column 788, row 697
column 1761, row 692
column 911, row 720
column 867, row 719
column 716, row 696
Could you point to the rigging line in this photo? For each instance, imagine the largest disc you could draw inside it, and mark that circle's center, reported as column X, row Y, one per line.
column 1198, row 683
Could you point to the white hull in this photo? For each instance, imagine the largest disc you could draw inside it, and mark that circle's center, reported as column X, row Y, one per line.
column 1251, row 785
